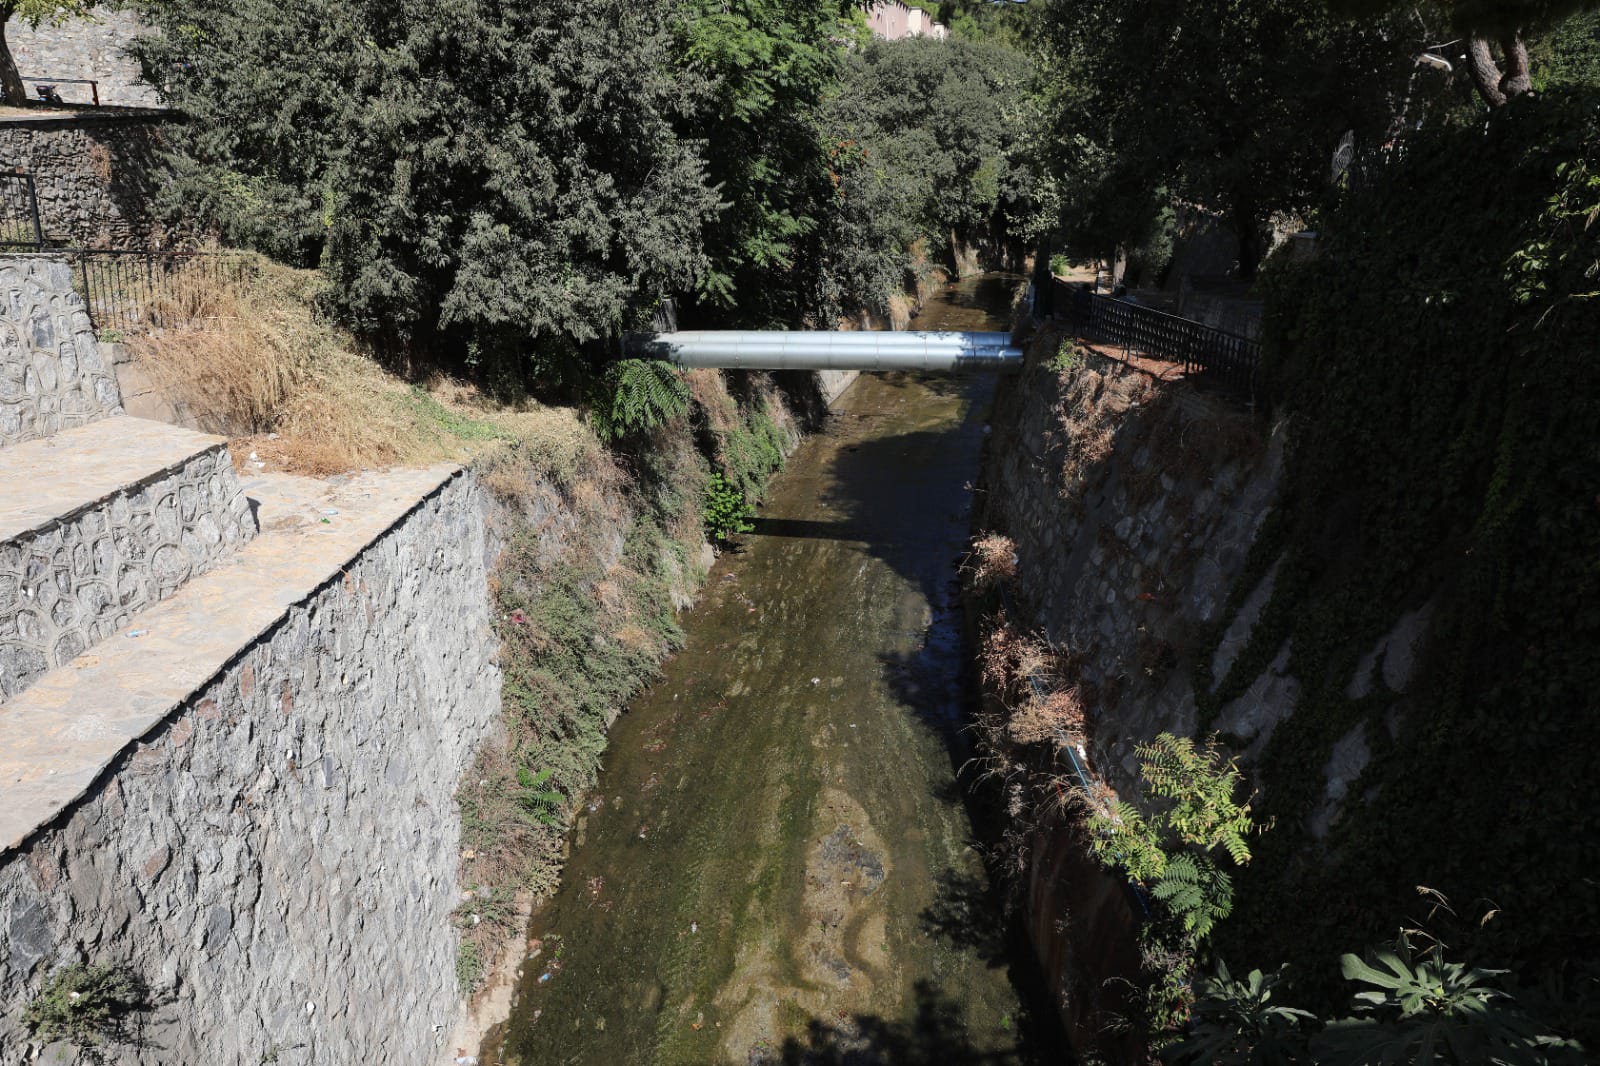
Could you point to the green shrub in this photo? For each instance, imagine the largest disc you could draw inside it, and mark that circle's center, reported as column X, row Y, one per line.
column 86, row 1005
column 726, row 512
column 470, row 967
column 1067, row 358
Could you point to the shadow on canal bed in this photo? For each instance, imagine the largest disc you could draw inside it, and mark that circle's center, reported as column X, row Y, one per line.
column 904, row 499
column 936, row 1034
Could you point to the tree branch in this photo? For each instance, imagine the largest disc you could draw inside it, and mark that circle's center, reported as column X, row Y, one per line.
column 1516, row 79
column 1485, row 73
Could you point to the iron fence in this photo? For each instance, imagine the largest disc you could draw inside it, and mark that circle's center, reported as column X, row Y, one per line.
column 1208, row 354
column 45, row 87
column 128, row 290
column 19, row 212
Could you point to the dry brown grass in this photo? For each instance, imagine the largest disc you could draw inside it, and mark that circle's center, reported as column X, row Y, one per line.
column 993, row 560
column 258, row 362
column 1055, row 716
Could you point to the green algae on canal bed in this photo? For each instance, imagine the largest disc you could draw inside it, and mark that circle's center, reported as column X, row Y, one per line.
column 777, row 864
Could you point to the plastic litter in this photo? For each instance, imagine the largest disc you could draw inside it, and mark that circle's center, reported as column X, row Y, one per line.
column 137, row 633
column 544, row 977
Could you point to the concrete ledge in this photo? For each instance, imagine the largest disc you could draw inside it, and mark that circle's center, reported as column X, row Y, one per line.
column 58, row 737
column 55, row 479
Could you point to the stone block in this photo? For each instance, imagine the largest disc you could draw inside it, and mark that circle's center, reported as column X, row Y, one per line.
column 51, row 373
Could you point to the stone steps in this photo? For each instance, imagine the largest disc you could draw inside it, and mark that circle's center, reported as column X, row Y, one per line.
column 58, row 737
column 98, row 523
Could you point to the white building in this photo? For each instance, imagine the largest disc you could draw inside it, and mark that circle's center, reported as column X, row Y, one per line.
column 895, row 19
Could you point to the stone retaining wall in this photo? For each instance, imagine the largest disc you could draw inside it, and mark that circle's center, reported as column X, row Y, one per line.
column 93, row 48
column 279, row 860
column 96, row 176
column 52, row 376
column 1132, row 508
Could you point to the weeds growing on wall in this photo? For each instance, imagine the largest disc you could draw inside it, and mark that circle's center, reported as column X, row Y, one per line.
column 1439, row 359
column 87, row 1005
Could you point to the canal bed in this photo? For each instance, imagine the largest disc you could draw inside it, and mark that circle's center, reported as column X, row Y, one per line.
column 778, row 865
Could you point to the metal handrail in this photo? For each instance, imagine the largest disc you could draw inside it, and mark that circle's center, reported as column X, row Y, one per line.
column 94, row 86
column 1230, row 358
column 19, row 211
column 119, row 286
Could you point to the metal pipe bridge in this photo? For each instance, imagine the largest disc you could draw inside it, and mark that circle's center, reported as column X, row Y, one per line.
column 937, row 351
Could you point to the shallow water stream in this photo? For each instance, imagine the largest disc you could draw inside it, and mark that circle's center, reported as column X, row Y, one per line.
column 778, row 864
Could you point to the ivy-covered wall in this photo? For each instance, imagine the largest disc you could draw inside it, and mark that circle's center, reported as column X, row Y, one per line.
column 1444, row 457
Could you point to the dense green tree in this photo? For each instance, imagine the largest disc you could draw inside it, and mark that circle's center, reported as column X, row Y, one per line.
column 929, row 141
column 767, row 65
column 506, row 175
column 1233, row 106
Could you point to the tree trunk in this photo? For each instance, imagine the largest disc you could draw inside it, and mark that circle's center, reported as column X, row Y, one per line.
column 1249, row 234
column 1516, row 79
column 16, row 94
column 1486, row 76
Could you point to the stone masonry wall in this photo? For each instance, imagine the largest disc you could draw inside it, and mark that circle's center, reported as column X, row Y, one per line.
column 52, row 376
column 93, row 48
column 1132, row 507
column 82, row 578
column 279, row 860
column 96, row 176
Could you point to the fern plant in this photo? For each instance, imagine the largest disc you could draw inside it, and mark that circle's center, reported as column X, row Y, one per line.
column 541, row 804
column 637, row 395
column 1174, row 852
column 1203, row 786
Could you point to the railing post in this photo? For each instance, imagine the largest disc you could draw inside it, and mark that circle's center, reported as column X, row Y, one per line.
column 88, row 293
column 33, row 209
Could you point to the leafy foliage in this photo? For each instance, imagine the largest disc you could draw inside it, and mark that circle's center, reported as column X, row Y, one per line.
column 1416, row 1008
column 1232, row 106
column 726, row 512
column 507, row 175
column 1439, row 358
column 929, row 140
column 638, row 395
column 1426, row 1009
column 542, row 804
column 1237, row 1023
column 1174, row 851
column 769, row 64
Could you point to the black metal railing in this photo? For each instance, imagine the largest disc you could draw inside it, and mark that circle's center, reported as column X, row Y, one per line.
column 1208, row 354
column 19, row 212
column 125, row 291
column 45, row 88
